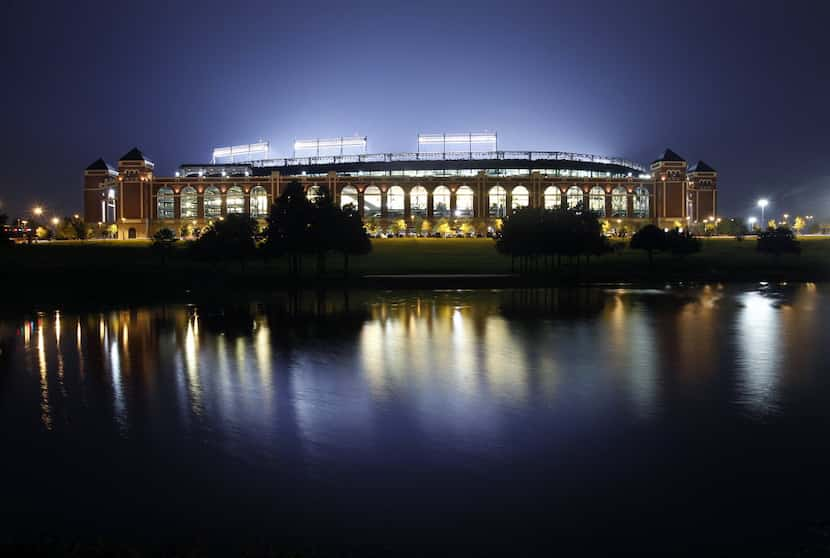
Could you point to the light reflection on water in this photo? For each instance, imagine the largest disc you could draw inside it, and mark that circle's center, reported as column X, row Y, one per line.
column 461, row 357
column 438, row 380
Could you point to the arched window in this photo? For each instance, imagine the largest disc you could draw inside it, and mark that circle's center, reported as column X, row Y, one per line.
column 418, row 199
column 597, row 201
column 464, row 201
column 259, row 202
column 619, row 202
column 165, row 205
column 234, row 200
column 641, row 202
column 313, row 193
column 371, row 202
column 348, row 196
column 394, row 201
column 189, row 203
column 521, row 197
column 574, row 197
column 441, row 202
column 553, row 197
column 213, row 202
column 497, row 201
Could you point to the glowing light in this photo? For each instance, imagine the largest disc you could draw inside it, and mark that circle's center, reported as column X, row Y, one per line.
column 244, row 151
column 332, row 143
column 763, row 202
column 38, row 211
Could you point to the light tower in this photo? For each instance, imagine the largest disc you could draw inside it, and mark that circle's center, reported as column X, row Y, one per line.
column 763, row 203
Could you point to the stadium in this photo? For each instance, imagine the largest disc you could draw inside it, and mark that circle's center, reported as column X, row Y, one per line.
column 430, row 191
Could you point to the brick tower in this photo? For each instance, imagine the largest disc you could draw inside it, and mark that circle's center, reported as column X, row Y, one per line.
column 99, row 202
column 135, row 175
column 669, row 174
column 702, row 194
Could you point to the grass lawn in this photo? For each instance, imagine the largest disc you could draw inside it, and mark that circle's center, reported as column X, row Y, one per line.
column 132, row 265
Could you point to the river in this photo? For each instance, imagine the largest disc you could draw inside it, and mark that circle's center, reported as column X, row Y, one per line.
column 668, row 420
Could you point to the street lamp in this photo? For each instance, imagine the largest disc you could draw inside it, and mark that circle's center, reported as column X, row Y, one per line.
column 752, row 221
column 38, row 211
column 55, row 221
column 763, row 203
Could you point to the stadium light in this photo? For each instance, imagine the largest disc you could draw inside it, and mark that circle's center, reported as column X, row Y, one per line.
column 469, row 138
column 246, row 152
column 763, row 203
column 341, row 143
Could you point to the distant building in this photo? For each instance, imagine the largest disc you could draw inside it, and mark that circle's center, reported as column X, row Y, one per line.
column 450, row 187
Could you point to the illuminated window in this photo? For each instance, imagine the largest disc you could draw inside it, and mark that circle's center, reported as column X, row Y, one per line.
column 497, row 201
column 464, row 201
column 371, row 202
column 394, row 201
column 165, row 204
column 520, row 197
column 418, row 201
column 259, row 202
column 641, row 202
column 553, row 197
column 189, row 203
column 597, row 201
column 619, row 202
column 213, row 202
column 348, row 196
column 574, row 197
column 235, row 200
column 441, row 202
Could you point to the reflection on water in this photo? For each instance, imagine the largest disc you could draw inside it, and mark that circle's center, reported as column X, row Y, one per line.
column 442, row 352
column 320, row 382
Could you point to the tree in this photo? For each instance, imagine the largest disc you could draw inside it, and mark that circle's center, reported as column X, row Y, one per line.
column 289, row 224
column 323, row 227
column 351, row 238
column 682, row 243
column 778, row 241
column 162, row 243
column 231, row 237
column 799, row 224
column 771, row 224
column 533, row 232
column 651, row 239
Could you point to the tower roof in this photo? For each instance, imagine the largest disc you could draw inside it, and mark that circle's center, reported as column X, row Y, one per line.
column 134, row 154
column 700, row 166
column 100, row 164
column 669, row 155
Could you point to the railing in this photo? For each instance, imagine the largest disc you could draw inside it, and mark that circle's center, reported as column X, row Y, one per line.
column 448, row 156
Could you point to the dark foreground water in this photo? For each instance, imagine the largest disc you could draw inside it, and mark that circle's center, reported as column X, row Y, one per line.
column 670, row 421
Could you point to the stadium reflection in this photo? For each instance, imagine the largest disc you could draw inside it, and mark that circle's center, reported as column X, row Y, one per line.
column 318, row 383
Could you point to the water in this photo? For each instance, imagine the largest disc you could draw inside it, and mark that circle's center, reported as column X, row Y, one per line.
column 667, row 420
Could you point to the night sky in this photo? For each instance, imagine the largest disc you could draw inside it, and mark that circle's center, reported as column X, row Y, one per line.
column 742, row 86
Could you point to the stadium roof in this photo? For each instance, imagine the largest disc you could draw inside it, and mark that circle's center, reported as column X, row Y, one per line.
column 669, row 155
column 100, row 164
column 134, row 154
column 700, row 166
column 450, row 161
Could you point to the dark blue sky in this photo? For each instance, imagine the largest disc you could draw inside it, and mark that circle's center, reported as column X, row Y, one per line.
column 742, row 85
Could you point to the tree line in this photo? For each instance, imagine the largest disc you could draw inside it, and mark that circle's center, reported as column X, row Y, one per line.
column 296, row 227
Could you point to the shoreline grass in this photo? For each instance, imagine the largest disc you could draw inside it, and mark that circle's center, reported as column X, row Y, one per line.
column 107, row 268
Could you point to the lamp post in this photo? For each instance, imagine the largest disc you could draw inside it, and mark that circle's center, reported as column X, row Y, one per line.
column 763, row 203
column 752, row 221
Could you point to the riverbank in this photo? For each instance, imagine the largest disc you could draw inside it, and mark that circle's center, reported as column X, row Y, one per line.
column 131, row 269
